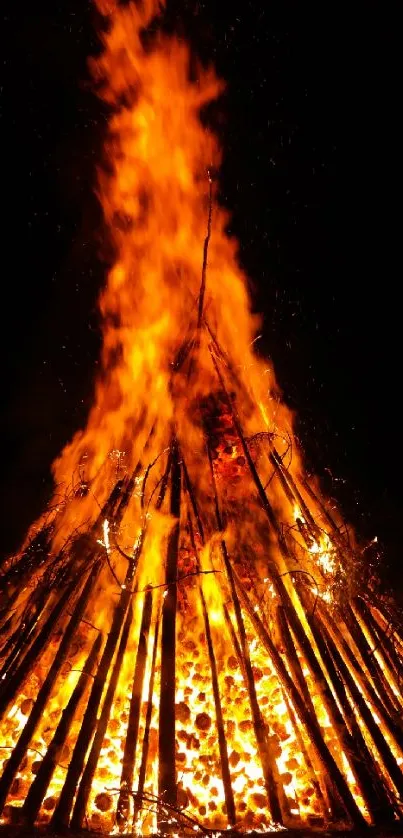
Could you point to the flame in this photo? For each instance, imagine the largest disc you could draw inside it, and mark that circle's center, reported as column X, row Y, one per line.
column 178, row 361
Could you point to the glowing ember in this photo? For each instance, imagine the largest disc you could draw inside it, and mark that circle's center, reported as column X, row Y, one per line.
column 182, row 643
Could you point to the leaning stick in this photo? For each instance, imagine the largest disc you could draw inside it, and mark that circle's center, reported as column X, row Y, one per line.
column 129, row 753
column 222, row 742
column 46, row 688
column 266, row 759
column 299, row 680
column 310, row 722
column 292, row 492
column 380, row 743
column 394, row 729
column 379, row 643
column 62, row 810
column 376, row 799
column 321, row 795
column 37, row 791
column 326, row 514
column 166, row 732
column 10, row 686
column 380, row 682
column 84, row 788
column 147, row 724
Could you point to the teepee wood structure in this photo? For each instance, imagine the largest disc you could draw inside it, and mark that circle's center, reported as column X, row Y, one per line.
column 190, row 639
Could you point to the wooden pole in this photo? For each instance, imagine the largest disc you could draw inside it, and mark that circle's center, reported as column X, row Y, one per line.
column 349, row 743
column 394, row 729
column 310, row 722
column 222, row 742
column 37, row 791
column 389, row 621
column 380, row 682
column 84, row 788
column 10, row 686
column 129, row 753
column 46, row 688
column 325, row 512
column 379, row 645
column 62, row 810
column 292, row 492
column 273, row 788
column 360, row 758
column 21, row 638
column 297, row 675
column 166, row 733
column 387, row 758
column 147, row 725
column 383, row 642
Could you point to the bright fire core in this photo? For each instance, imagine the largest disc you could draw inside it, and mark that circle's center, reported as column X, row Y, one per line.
column 182, row 641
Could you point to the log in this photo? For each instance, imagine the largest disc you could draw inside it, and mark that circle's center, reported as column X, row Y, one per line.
column 205, row 254
column 380, row 645
column 61, row 813
column 252, row 468
column 273, row 789
column 234, row 639
column 325, row 512
column 166, row 732
column 6, row 609
column 22, row 637
column 384, row 802
column 349, row 743
column 129, row 753
column 383, row 642
column 147, row 725
column 275, row 578
column 322, row 796
column 354, row 745
column 10, row 686
column 292, row 492
column 394, row 729
column 331, row 802
column 293, row 659
column 164, row 482
column 310, row 722
column 392, row 619
column 380, row 682
column 192, row 496
column 339, row 780
column 222, row 742
column 84, row 788
column 38, row 788
column 46, row 688
column 19, row 640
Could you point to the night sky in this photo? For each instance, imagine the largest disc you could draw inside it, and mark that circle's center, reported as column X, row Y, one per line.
column 312, row 177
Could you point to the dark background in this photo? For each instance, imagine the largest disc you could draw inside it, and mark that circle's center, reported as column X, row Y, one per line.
column 312, row 177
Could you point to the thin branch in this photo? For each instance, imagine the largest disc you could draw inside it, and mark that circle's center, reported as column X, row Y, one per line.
column 120, row 551
column 176, row 582
column 168, row 808
column 146, row 473
column 205, row 255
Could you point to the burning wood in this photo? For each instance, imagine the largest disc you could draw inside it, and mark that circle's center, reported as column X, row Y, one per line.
column 182, row 643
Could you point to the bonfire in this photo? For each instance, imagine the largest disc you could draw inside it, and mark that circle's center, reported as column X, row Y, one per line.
column 191, row 638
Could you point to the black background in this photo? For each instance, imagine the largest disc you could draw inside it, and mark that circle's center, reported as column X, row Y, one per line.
column 312, row 177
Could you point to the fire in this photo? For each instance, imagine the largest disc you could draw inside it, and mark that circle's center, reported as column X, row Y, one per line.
column 182, row 642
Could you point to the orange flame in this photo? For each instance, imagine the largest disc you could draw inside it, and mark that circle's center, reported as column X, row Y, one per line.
column 155, row 193
column 155, row 200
